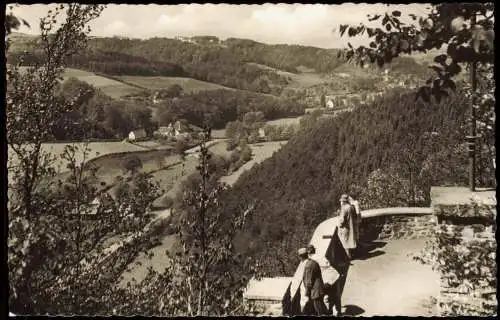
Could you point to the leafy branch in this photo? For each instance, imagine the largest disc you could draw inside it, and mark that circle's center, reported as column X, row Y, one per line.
column 466, row 31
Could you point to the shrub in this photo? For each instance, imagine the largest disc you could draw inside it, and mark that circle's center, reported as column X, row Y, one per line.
column 231, row 144
column 246, row 154
column 132, row 163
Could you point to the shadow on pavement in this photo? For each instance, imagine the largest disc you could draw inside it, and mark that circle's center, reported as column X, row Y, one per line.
column 372, row 245
column 368, row 255
column 353, row 310
column 365, row 250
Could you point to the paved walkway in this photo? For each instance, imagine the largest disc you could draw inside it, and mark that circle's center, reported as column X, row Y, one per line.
column 385, row 281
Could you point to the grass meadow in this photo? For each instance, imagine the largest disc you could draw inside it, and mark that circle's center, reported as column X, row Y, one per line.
column 260, row 152
column 284, row 121
column 114, row 89
column 189, row 85
column 306, row 78
column 94, row 149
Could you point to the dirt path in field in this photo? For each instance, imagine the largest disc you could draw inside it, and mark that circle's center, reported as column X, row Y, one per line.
column 386, row 282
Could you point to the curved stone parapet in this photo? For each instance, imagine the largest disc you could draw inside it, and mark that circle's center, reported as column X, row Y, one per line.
column 396, row 211
column 396, row 223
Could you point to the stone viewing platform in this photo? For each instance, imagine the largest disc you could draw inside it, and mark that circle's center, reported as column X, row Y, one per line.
column 384, row 280
column 365, row 281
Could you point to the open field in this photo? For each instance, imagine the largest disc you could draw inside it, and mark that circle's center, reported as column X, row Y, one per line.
column 95, row 149
column 218, row 134
column 260, row 152
column 220, row 149
column 151, row 160
column 307, row 78
column 114, row 89
column 189, row 85
column 284, row 121
column 138, row 269
column 152, row 144
column 170, row 179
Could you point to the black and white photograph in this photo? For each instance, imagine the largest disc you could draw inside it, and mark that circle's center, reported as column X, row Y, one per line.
column 265, row 159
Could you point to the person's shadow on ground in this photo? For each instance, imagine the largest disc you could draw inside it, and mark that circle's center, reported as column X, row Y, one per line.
column 369, row 250
column 353, row 310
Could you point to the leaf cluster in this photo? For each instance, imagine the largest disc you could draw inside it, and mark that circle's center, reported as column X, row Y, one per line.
column 465, row 31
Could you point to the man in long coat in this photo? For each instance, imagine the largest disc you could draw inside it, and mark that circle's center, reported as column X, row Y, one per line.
column 347, row 225
column 357, row 222
column 313, row 284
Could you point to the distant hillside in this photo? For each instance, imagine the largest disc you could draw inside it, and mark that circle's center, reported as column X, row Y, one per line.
column 218, row 107
column 285, row 57
column 300, row 185
column 107, row 62
column 236, row 63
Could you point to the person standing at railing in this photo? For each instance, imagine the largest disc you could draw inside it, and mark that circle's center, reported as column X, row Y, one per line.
column 340, row 262
column 357, row 220
column 346, row 227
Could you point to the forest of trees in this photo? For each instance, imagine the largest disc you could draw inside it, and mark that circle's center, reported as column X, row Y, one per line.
column 108, row 62
column 94, row 115
column 97, row 116
column 218, row 107
column 299, row 186
column 285, row 57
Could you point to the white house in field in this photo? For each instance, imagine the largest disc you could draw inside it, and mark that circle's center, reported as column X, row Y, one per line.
column 136, row 134
column 329, row 104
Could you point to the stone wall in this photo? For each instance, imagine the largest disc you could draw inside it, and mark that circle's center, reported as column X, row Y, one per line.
column 404, row 226
column 264, row 307
column 465, row 251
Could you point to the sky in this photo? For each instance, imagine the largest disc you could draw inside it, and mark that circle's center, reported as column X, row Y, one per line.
column 303, row 24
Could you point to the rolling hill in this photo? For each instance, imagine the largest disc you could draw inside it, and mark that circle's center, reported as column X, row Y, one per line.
column 235, row 63
column 124, row 86
column 113, row 88
column 189, row 85
column 110, row 87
